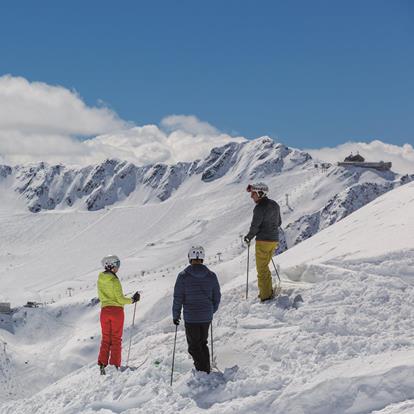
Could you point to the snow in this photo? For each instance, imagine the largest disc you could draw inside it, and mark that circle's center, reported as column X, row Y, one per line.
column 384, row 226
column 348, row 348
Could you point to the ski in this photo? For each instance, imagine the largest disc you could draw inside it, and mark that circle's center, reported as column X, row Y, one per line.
column 124, row 368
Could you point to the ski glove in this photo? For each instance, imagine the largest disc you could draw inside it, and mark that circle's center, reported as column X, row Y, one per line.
column 246, row 240
column 176, row 321
column 136, row 297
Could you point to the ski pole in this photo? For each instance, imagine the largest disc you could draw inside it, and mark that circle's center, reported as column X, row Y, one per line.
column 213, row 363
column 212, row 346
column 172, row 367
column 278, row 288
column 277, row 273
column 130, row 337
column 247, row 279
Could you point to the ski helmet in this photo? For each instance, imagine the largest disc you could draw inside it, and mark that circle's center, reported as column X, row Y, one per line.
column 196, row 252
column 111, row 261
column 260, row 188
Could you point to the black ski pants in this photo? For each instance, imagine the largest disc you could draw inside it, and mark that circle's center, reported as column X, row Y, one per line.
column 197, row 334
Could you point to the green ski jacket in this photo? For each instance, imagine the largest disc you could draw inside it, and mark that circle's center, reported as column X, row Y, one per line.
column 110, row 291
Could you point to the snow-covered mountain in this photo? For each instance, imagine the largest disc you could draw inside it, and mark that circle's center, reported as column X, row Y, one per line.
column 347, row 349
column 312, row 200
column 47, row 187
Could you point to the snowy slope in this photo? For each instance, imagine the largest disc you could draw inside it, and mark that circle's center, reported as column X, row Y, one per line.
column 347, row 349
column 204, row 201
column 336, row 193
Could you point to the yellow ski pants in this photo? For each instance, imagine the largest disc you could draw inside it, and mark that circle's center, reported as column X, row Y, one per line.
column 264, row 253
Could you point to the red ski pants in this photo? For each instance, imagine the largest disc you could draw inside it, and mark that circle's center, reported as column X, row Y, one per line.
column 112, row 324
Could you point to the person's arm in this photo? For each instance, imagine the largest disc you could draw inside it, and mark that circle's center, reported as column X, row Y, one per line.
column 119, row 294
column 178, row 297
column 216, row 293
column 99, row 288
column 258, row 214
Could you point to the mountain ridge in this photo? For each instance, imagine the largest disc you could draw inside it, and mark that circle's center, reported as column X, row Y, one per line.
column 319, row 199
column 46, row 187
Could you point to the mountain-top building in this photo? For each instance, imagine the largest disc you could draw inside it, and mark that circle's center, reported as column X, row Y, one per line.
column 355, row 158
column 359, row 161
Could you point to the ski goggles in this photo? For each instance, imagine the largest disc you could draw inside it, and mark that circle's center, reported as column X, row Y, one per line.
column 112, row 265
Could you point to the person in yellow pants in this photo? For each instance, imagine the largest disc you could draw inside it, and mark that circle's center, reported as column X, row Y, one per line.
column 265, row 227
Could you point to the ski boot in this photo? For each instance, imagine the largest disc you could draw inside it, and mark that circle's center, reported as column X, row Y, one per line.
column 271, row 297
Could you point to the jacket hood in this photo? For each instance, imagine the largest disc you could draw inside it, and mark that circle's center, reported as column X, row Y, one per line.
column 198, row 270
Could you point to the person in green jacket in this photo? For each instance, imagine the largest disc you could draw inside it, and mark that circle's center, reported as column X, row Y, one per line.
column 112, row 313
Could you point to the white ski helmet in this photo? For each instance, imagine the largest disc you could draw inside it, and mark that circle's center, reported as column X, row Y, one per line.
column 196, row 252
column 111, row 261
column 260, row 188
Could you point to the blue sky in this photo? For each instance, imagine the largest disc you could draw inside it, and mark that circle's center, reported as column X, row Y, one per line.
column 312, row 73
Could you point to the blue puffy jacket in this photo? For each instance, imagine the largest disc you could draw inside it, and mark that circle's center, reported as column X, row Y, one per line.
column 198, row 291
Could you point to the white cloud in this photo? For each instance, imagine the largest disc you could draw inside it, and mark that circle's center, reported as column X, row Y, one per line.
column 189, row 124
column 40, row 122
column 36, row 107
column 140, row 145
column 402, row 158
column 150, row 144
column 21, row 148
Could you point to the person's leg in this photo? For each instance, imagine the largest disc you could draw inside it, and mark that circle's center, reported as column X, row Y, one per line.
column 270, row 251
column 204, row 328
column 264, row 253
column 194, row 341
column 117, row 319
column 106, row 337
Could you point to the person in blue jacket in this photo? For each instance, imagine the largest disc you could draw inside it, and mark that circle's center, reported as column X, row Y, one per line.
column 197, row 290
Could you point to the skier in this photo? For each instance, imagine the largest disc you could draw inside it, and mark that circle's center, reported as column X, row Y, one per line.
column 265, row 227
column 198, row 291
column 112, row 313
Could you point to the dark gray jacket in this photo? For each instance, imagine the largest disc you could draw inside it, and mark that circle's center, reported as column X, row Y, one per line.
column 198, row 291
column 266, row 221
